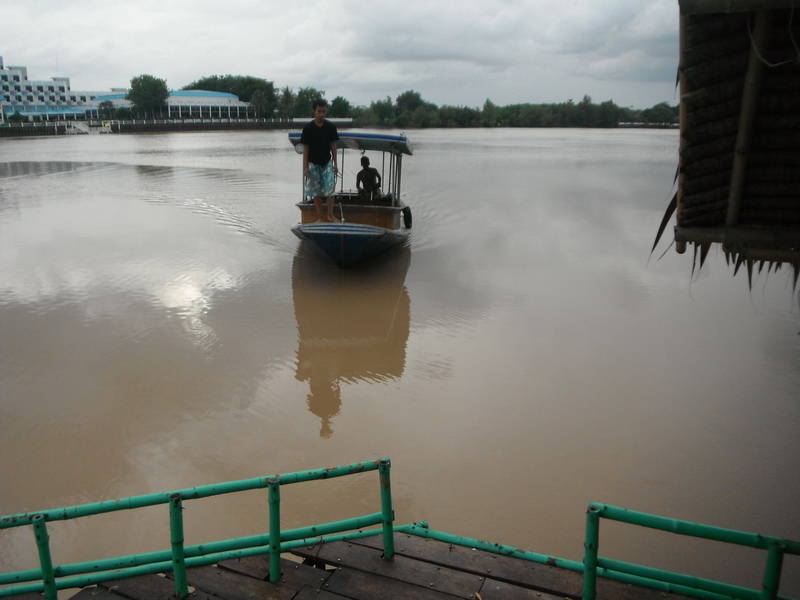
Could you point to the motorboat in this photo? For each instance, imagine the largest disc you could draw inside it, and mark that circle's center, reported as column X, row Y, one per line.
column 367, row 225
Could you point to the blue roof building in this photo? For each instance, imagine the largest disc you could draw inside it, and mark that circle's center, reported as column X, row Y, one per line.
column 40, row 100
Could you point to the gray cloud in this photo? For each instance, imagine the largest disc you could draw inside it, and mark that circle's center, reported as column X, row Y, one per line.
column 451, row 52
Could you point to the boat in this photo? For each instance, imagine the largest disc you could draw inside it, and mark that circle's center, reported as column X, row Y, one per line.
column 367, row 227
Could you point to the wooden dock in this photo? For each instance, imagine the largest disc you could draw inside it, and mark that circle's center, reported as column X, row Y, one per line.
column 422, row 569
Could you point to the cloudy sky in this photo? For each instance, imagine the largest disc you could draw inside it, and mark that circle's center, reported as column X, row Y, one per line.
column 456, row 53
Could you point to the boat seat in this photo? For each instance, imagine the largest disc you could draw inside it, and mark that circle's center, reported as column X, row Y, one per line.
column 356, row 199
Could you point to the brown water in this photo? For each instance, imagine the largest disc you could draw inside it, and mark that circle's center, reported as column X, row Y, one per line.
column 162, row 328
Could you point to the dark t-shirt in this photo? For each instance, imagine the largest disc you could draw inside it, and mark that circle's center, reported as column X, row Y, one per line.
column 318, row 138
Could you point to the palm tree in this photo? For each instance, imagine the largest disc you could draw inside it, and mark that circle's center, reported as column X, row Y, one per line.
column 258, row 102
column 286, row 103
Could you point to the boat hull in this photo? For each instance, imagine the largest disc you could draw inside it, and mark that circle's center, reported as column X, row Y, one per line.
column 348, row 244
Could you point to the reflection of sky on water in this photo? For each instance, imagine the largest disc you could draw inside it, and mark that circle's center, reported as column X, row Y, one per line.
column 85, row 248
column 120, row 296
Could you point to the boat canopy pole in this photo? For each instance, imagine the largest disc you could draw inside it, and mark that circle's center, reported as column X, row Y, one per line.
column 392, row 186
column 341, row 174
column 383, row 167
column 397, row 179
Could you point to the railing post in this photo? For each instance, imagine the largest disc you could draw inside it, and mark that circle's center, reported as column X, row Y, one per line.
column 274, row 529
column 590, row 545
column 176, row 540
column 45, row 560
column 387, row 511
column 772, row 574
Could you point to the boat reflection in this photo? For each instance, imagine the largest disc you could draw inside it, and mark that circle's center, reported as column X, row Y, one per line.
column 352, row 326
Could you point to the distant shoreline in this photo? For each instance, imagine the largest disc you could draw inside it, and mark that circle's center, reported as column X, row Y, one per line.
column 53, row 128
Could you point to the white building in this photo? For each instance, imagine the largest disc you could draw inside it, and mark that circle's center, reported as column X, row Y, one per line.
column 39, row 99
column 54, row 100
column 182, row 104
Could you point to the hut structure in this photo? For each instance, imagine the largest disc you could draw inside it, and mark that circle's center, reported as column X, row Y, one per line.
column 738, row 181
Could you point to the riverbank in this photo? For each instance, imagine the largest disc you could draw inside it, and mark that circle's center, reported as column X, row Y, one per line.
column 51, row 128
column 141, row 126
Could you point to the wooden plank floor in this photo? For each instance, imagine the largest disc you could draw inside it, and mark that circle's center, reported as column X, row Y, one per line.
column 421, row 569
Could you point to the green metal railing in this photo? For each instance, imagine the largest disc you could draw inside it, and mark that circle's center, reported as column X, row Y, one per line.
column 594, row 565
column 49, row 578
column 664, row 581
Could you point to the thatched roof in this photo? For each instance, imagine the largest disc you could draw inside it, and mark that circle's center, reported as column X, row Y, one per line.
column 739, row 169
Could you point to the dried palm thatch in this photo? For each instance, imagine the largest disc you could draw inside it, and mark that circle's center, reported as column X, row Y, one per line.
column 739, row 169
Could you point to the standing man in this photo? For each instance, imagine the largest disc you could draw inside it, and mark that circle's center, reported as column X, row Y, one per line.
column 319, row 146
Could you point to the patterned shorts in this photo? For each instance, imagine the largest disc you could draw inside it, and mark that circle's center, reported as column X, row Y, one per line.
column 321, row 180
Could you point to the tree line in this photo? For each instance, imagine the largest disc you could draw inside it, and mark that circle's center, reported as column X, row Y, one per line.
column 149, row 94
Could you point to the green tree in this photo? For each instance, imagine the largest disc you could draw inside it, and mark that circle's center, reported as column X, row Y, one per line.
column 408, row 102
column 564, row 114
column 661, row 114
column 608, row 114
column 629, row 115
column 426, row 115
column 245, row 87
column 105, row 109
column 490, row 116
column 212, row 83
column 148, row 94
column 286, row 103
column 383, row 111
column 16, row 117
column 260, row 91
column 584, row 114
column 364, row 117
column 259, row 103
column 340, row 107
column 530, row 115
column 303, row 102
column 122, row 113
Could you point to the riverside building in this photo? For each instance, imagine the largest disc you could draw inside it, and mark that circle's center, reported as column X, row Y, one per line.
column 53, row 99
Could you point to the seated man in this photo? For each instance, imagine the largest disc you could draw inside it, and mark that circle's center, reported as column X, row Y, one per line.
column 368, row 181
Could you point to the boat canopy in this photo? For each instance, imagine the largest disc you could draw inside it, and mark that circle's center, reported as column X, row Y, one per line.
column 380, row 142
